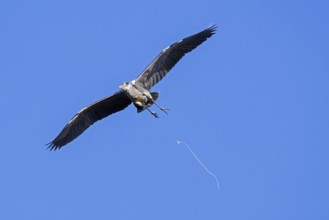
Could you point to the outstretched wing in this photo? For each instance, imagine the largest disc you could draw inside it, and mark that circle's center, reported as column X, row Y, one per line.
column 88, row 116
column 168, row 58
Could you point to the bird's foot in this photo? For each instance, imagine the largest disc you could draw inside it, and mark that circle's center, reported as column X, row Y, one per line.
column 164, row 110
column 155, row 114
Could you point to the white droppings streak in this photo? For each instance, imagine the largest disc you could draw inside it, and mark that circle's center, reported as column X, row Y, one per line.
column 200, row 162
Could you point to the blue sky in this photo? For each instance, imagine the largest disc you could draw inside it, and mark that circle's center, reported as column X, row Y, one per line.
column 252, row 102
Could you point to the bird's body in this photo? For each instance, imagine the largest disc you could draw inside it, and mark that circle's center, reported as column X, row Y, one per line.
column 136, row 91
column 140, row 97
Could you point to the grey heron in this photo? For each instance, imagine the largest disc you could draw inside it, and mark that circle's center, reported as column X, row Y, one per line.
column 136, row 91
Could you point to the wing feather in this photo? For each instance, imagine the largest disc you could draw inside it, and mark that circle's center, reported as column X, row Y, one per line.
column 88, row 116
column 168, row 58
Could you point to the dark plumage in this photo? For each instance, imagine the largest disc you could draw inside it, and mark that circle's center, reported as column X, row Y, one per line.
column 168, row 58
column 136, row 91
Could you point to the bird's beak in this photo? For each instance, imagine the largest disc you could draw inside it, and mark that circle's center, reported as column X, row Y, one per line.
column 122, row 86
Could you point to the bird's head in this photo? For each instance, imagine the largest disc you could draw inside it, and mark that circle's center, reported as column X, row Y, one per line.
column 124, row 86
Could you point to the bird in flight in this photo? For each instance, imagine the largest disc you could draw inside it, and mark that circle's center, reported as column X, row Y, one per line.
column 136, row 91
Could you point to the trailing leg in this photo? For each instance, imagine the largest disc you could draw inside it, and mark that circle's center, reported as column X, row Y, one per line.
column 153, row 113
column 161, row 108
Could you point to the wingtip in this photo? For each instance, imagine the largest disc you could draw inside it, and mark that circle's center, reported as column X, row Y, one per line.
column 212, row 28
column 52, row 146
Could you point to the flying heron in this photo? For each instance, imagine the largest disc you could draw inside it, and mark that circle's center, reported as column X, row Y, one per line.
column 136, row 91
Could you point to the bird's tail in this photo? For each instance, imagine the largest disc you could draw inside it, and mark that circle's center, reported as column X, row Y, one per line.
column 155, row 95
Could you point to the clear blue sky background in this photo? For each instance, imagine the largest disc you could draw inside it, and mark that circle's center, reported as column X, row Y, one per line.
column 252, row 102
